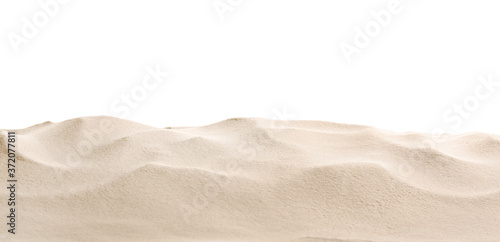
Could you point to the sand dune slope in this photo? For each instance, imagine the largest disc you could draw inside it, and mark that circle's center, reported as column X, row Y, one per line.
column 107, row 179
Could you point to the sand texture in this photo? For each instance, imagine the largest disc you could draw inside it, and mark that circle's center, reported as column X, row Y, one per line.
column 245, row 179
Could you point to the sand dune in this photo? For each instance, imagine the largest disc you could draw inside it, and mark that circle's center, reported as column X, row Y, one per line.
column 107, row 179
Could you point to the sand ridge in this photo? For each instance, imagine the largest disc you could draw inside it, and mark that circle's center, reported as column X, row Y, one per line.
column 250, row 179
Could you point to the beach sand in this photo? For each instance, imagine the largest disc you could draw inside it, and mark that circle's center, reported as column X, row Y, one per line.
column 248, row 179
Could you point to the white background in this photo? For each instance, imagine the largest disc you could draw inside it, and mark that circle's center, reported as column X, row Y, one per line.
column 274, row 59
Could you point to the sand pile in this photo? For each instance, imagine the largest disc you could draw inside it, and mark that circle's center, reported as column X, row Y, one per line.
column 106, row 179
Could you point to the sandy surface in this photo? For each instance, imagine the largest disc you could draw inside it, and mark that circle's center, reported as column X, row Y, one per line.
column 106, row 179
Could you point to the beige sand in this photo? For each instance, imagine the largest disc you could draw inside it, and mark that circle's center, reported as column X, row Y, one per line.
column 106, row 179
